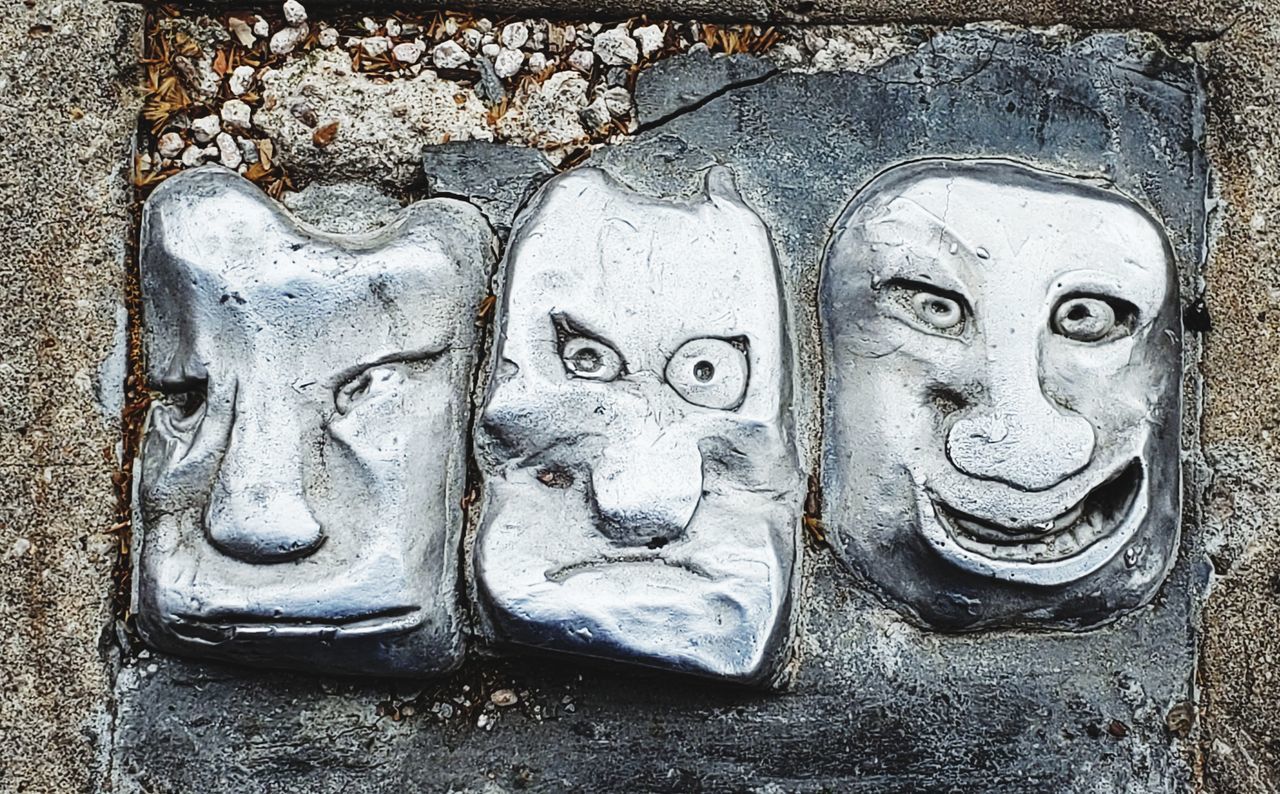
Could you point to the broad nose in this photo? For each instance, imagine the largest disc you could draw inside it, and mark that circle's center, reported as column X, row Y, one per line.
column 257, row 511
column 646, row 490
column 1017, row 435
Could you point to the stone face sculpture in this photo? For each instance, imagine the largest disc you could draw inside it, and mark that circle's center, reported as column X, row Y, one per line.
column 642, row 492
column 1002, row 407
column 301, row 477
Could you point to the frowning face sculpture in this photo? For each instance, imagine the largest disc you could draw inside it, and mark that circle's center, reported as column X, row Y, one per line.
column 642, row 495
column 300, row 478
column 1003, row 396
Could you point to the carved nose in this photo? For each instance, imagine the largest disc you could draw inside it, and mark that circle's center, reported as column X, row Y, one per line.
column 1022, row 440
column 645, row 491
column 257, row 512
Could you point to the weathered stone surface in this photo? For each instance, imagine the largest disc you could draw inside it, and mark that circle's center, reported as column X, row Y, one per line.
column 876, row 703
column 679, row 83
column 67, row 114
column 495, row 176
column 1240, row 663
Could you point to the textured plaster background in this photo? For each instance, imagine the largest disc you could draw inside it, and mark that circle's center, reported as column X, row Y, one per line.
column 67, row 110
column 67, row 115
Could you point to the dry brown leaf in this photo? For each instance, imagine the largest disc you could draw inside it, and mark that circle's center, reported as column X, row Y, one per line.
column 324, row 134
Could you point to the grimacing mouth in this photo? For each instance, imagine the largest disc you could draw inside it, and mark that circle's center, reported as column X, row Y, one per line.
column 566, row 572
column 224, row 627
column 1099, row 515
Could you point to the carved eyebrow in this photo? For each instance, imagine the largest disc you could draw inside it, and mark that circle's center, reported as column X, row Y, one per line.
column 933, row 274
column 566, row 326
column 400, row 356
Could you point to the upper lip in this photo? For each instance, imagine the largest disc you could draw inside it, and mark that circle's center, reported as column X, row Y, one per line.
column 1011, row 510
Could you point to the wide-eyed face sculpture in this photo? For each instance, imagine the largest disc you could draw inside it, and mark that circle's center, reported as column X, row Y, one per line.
column 642, row 496
column 1003, row 395
column 302, row 473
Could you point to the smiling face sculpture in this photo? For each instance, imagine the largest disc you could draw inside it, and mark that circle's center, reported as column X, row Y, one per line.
column 301, row 476
column 642, row 496
column 1003, row 396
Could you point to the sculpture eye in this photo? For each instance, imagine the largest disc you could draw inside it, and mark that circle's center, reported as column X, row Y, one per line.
column 929, row 308
column 937, row 310
column 370, row 382
column 591, row 359
column 710, row 372
column 1091, row 318
column 183, row 402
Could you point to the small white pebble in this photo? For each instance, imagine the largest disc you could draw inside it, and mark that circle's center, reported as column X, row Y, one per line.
column 240, row 80
column 204, row 128
column 618, row 100
column 582, row 60
column 192, row 156
column 392, row 26
column 491, row 50
column 248, row 150
column 260, row 27
column 537, row 62
column 286, row 40
column 328, row 37
column 508, row 63
column 484, row 25
column 374, row 46
column 596, row 115
column 369, row 26
column 410, row 52
column 237, row 114
column 650, row 38
column 170, row 145
column 471, row 39
column 450, row 26
column 228, row 152
column 294, row 13
column 514, row 35
column 448, row 55
column 616, row 47
column 20, row 547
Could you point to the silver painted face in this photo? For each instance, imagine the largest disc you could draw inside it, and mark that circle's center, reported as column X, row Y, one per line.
column 642, row 495
column 1003, row 395
column 301, row 479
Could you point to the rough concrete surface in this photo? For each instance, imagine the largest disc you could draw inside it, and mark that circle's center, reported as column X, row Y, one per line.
column 1240, row 661
column 68, row 108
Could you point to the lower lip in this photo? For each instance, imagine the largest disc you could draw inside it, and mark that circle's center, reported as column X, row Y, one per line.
column 1053, row 556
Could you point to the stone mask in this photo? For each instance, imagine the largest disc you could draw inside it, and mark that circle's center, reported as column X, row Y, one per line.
column 642, row 495
column 1003, row 403
column 301, row 476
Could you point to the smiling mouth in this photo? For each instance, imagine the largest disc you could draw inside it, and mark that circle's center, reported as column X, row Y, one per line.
column 1103, row 514
column 225, row 627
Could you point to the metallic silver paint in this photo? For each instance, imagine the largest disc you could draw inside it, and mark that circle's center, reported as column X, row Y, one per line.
column 299, row 485
column 1003, row 353
column 642, row 492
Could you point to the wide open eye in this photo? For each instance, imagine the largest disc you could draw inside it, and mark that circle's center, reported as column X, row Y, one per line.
column 928, row 308
column 710, row 372
column 589, row 358
column 1092, row 318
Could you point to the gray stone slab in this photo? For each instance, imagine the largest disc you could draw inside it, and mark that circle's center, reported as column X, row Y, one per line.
column 494, row 176
column 876, row 703
column 677, row 84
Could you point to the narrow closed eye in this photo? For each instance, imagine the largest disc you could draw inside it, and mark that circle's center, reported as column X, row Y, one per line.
column 182, row 401
column 380, row 377
column 927, row 307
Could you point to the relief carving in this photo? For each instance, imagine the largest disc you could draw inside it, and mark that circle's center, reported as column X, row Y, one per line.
column 1002, row 408
column 642, row 492
column 301, row 475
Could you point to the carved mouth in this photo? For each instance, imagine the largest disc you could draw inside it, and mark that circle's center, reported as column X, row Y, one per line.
column 1055, row 551
column 229, row 626
column 566, row 572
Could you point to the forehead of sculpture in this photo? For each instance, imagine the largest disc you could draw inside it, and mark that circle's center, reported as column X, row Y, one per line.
column 254, row 277
column 636, row 266
column 1002, row 217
